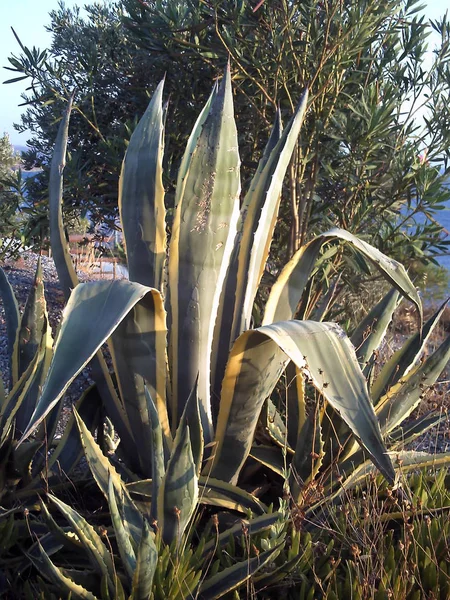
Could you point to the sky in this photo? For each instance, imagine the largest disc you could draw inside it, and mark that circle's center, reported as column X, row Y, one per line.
column 29, row 18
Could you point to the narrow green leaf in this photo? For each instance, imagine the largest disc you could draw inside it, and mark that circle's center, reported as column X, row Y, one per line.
column 261, row 210
column 192, row 417
column 406, row 357
column 96, row 550
column 406, row 433
column 69, row 449
column 86, row 325
column 255, row 525
column 223, row 327
column 141, row 197
column 102, row 471
column 60, row 251
column 32, row 325
column 69, row 540
column 202, row 240
column 156, row 453
column 56, row 575
column 124, row 544
column 290, row 285
column 370, row 332
column 256, row 362
column 178, row 493
column 146, row 564
column 403, row 397
column 220, row 493
column 276, row 426
column 271, row 457
column 229, row 579
column 308, row 455
column 138, row 350
column 28, row 405
column 296, row 403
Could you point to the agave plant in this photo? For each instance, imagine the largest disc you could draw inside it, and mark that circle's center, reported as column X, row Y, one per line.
column 158, row 546
column 191, row 375
column 181, row 324
column 319, row 450
column 30, row 349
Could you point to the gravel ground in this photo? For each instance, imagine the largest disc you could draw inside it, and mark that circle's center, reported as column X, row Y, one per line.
column 21, row 274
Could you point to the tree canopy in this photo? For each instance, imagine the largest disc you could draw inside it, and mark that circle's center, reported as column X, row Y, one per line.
column 374, row 153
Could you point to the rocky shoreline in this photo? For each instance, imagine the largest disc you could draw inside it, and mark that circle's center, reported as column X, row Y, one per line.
column 21, row 275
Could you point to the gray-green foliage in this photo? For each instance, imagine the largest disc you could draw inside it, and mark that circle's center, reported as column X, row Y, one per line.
column 191, row 377
column 359, row 156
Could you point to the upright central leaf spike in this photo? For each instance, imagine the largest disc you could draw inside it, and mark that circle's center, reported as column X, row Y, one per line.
column 202, row 240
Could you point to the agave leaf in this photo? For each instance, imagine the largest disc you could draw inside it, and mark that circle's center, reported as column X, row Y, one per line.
column 220, row 493
column 102, row 471
column 49, row 543
column 156, row 453
column 192, row 417
column 290, row 285
column 266, row 580
column 211, row 491
column 191, row 145
column 22, row 458
column 366, row 338
column 18, row 392
column 69, row 280
column 271, row 457
column 308, row 454
column 32, row 326
column 229, row 579
column 141, row 197
column 406, row 433
column 370, row 332
column 406, row 357
column 21, row 402
column 201, row 243
column 405, row 460
column 96, row 550
column 408, row 460
column 296, row 403
column 261, row 197
column 254, row 525
column 256, row 362
column 56, row 575
column 12, row 316
column 138, row 350
column 69, row 449
column 261, row 208
column 28, row 404
column 69, row 540
column 63, row 263
column 147, row 560
column 178, row 493
column 86, row 579
column 402, row 398
column 124, row 544
column 86, row 325
column 287, row 291
column 276, row 427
